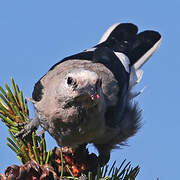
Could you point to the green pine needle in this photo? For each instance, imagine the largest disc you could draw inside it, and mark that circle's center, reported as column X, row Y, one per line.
column 14, row 110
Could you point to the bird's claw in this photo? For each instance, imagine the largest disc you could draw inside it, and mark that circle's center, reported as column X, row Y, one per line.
column 20, row 124
column 27, row 128
column 23, row 133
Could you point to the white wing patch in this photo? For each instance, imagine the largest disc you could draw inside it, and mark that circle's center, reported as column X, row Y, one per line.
column 121, row 56
column 135, row 76
column 124, row 60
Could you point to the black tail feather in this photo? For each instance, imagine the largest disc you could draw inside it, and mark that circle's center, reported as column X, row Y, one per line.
column 143, row 43
column 124, row 38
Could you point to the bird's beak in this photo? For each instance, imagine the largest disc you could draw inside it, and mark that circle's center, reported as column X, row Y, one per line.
column 85, row 99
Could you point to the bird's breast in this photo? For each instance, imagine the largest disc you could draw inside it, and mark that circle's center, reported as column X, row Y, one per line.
column 75, row 126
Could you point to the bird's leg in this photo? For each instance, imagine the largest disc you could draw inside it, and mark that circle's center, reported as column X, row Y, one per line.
column 28, row 127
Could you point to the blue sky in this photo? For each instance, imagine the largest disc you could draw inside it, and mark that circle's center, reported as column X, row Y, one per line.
column 34, row 35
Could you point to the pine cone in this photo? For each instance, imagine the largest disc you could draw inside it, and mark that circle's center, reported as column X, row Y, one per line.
column 30, row 171
column 77, row 162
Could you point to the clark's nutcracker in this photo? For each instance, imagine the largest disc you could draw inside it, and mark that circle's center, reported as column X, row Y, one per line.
column 87, row 98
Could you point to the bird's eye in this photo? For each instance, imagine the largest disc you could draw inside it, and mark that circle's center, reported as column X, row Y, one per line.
column 69, row 80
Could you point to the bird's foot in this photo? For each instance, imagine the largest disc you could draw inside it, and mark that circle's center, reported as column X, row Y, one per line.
column 27, row 128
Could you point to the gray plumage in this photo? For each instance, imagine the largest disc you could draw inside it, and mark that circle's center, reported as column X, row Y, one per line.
column 86, row 98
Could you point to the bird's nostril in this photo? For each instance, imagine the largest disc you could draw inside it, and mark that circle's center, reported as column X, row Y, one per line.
column 69, row 80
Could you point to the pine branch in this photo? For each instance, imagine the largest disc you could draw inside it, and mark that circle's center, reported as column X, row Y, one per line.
column 14, row 113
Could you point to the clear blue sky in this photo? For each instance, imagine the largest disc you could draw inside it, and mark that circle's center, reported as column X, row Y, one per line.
column 34, row 35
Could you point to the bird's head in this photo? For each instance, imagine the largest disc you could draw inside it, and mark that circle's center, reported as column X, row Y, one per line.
column 83, row 88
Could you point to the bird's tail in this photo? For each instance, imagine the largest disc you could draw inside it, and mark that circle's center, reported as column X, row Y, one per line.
column 138, row 47
column 124, row 38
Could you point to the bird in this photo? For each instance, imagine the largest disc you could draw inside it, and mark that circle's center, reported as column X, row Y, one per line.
column 87, row 97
